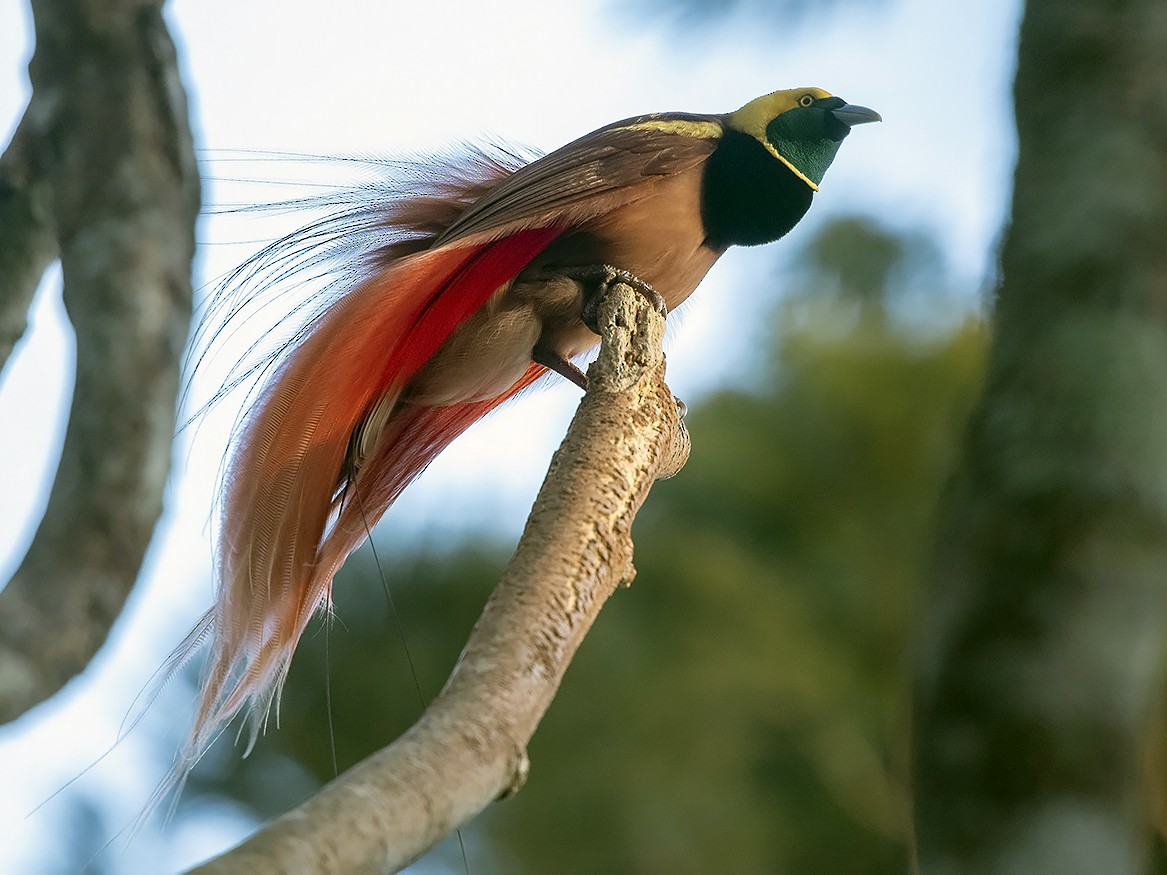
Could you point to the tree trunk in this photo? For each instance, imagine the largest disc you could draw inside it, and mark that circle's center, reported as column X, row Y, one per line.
column 1043, row 646
column 102, row 173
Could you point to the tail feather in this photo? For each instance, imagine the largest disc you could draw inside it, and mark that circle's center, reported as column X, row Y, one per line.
column 413, row 437
column 398, row 211
column 293, row 507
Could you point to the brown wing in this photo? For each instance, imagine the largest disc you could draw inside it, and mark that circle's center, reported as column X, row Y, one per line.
column 573, row 181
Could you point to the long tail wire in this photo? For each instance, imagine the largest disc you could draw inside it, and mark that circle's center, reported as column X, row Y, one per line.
column 396, row 615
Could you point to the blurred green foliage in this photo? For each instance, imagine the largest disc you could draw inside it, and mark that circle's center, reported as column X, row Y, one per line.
column 743, row 706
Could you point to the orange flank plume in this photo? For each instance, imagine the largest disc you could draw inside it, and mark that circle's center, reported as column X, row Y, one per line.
column 294, row 506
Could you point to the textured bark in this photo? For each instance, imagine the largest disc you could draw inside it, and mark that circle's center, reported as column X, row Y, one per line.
column 1044, row 644
column 27, row 244
column 108, row 163
column 469, row 747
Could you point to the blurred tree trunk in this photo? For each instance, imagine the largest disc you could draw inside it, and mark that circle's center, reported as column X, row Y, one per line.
column 1043, row 646
column 102, row 175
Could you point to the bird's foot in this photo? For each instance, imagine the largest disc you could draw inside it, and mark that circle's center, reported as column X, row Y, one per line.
column 598, row 278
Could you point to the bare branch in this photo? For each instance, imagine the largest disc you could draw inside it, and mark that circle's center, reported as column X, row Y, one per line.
column 469, row 747
column 27, row 244
column 114, row 149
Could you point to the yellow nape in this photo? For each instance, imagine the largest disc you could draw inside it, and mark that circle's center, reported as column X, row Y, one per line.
column 754, row 116
column 684, row 127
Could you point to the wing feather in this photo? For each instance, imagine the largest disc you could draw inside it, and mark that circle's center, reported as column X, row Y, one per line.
column 592, row 174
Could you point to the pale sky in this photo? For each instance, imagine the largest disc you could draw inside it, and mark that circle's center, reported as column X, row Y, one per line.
column 357, row 78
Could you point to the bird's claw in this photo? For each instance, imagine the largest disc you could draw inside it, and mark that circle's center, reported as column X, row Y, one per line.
column 601, row 277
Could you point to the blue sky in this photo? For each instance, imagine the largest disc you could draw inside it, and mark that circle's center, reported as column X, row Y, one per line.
column 356, row 78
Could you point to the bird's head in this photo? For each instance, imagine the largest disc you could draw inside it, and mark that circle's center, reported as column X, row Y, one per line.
column 801, row 127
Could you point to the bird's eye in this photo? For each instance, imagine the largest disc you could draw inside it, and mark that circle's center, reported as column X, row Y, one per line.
column 806, row 100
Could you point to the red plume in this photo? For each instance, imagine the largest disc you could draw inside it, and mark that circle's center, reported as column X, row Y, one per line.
column 294, row 504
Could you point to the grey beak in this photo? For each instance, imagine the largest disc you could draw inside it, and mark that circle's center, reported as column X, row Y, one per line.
column 851, row 115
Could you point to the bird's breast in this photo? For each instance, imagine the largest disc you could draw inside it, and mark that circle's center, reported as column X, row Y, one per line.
column 659, row 237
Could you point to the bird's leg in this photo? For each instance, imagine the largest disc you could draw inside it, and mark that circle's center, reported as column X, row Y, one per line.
column 550, row 359
column 597, row 278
